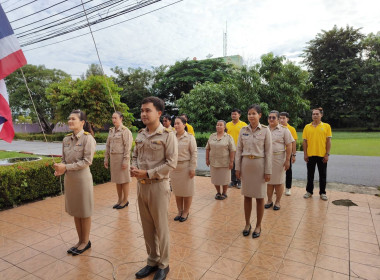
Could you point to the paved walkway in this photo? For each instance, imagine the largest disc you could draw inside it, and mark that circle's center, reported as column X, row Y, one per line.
column 354, row 170
column 306, row 239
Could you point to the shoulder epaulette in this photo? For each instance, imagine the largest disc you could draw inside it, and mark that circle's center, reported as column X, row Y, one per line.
column 86, row 133
column 111, row 128
column 140, row 130
column 263, row 125
column 168, row 130
column 69, row 134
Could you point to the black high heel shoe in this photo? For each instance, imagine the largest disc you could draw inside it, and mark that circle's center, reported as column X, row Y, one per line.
column 116, row 205
column 247, row 232
column 122, row 206
column 177, row 218
column 78, row 252
column 182, row 219
column 256, row 234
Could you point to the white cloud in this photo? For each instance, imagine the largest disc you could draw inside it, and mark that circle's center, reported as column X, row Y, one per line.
column 193, row 28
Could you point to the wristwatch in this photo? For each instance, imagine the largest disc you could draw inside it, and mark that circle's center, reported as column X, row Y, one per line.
column 328, row 154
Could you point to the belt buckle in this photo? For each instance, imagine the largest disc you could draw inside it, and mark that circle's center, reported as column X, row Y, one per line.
column 251, row 157
column 142, row 181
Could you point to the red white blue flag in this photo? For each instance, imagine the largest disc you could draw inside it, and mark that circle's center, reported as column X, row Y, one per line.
column 11, row 58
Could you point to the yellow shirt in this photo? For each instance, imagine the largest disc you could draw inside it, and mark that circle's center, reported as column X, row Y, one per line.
column 316, row 138
column 292, row 131
column 234, row 129
column 190, row 129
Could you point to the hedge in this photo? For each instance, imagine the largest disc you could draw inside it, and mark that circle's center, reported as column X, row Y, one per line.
column 29, row 181
column 99, row 137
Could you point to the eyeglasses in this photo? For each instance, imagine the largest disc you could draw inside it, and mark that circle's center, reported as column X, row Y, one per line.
column 272, row 117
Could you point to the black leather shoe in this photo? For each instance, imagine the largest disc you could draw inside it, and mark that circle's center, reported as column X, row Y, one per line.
column 276, row 207
column 161, row 273
column 145, row 271
column 256, row 234
column 122, row 206
column 183, row 219
column 268, row 205
column 76, row 251
column 247, row 232
column 70, row 251
column 116, row 205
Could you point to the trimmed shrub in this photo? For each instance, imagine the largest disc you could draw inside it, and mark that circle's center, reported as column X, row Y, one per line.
column 23, row 182
column 202, row 139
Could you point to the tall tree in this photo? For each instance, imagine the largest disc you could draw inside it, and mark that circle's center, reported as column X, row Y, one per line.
column 334, row 62
column 91, row 96
column 93, row 70
column 136, row 85
column 183, row 75
column 38, row 79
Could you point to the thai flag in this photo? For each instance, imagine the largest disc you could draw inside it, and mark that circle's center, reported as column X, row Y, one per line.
column 11, row 58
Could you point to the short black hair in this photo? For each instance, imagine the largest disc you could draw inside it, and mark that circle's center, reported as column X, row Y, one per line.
column 157, row 102
column 286, row 114
column 236, row 110
column 275, row 112
column 166, row 116
column 184, row 115
column 255, row 107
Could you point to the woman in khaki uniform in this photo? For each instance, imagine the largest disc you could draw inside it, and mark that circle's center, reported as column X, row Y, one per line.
column 253, row 164
column 182, row 178
column 118, row 150
column 282, row 141
column 220, row 154
column 77, row 155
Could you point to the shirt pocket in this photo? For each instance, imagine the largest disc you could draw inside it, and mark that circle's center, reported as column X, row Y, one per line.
column 78, row 149
column 157, row 148
column 117, row 145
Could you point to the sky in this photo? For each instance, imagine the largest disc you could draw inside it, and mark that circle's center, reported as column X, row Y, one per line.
column 192, row 28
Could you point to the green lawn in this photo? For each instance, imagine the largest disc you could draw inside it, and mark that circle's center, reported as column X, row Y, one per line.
column 4, row 154
column 354, row 143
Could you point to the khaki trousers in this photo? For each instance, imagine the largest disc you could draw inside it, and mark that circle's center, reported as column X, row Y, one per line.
column 153, row 202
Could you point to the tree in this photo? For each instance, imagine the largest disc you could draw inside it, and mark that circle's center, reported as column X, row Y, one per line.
column 212, row 101
column 283, row 86
column 334, row 61
column 38, row 79
column 93, row 70
column 136, row 85
column 183, row 75
column 91, row 96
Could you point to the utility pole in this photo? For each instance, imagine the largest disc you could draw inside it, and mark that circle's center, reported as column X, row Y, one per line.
column 225, row 42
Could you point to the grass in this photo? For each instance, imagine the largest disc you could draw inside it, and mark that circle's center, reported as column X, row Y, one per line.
column 354, row 143
column 4, row 154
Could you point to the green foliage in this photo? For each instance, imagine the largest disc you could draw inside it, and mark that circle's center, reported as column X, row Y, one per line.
column 273, row 83
column 38, row 78
column 90, row 95
column 136, row 85
column 6, row 154
column 184, row 75
column 25, row 182
column 344, row 69
column 100, row 137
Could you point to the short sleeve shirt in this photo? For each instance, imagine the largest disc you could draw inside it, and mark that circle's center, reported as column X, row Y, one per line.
column 292, row 131
column 316, row 138
column 281, row 137
column 220, row 149
column 234, row 129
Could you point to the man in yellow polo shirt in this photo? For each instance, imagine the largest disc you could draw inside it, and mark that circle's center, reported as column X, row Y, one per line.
column 316, row 148
column 190, row 129
column 284, row 119
column 233, row 128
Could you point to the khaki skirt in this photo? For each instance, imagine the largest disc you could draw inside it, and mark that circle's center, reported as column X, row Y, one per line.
column 252, row 178
column 278, row 171
column 180, row 180
column 79, row 197
column 118, row 174
column 220, row 176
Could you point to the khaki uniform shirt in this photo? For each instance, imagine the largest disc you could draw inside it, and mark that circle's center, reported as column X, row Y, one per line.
column 256, row 142
column 157, row 152
column 187, row 149
column 119, row 141
column 220, row 149
column 281, row 137
column 78, row 150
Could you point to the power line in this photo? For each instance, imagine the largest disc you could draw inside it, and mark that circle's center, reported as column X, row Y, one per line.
column 109, row 26
column 72, row 29
column 50, row 16
column 39, row 11
column 22, row 6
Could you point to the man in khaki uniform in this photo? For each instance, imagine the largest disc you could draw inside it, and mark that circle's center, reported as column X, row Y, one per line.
column 154, row 156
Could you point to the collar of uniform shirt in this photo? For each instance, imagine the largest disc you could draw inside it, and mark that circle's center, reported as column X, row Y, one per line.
column 80, row 133
column 257, row 127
